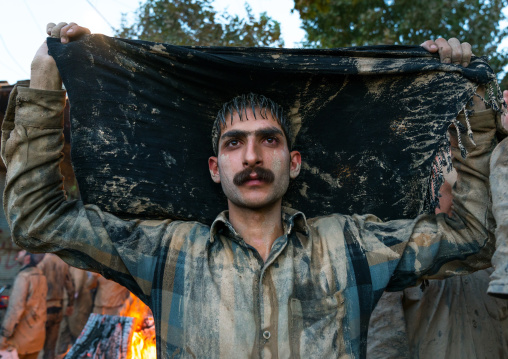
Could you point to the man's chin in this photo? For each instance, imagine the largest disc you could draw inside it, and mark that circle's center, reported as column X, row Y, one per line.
column 255, row 204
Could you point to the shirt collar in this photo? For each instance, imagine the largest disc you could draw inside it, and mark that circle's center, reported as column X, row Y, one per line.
column 291, row 220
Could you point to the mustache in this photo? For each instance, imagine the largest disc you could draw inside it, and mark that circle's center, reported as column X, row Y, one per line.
column 263, row 174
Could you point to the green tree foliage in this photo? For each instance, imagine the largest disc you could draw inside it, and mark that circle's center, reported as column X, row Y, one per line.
column 195, row 22
column 338, row 23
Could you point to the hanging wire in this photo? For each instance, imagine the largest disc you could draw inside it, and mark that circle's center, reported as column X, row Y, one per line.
column 39, row 27
column 12, row 57
column 98, row 12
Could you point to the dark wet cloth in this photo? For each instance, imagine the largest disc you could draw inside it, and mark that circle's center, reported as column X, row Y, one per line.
column 211, row 294
column 368, row 122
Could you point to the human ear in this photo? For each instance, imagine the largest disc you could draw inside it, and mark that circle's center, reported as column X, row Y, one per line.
column 295, row 164
column 213, row 166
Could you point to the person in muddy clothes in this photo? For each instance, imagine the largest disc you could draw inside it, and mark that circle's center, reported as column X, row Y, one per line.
column 110, row 297
column 262, row 280
column 59, row 280
column 24, row 324
column 73, row 323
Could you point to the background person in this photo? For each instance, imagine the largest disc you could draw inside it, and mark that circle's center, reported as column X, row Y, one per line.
column 73, row 323
column 24, row 324
column 110, row 297
column 58, row 279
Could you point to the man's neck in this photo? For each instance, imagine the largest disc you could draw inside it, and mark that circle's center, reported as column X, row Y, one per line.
column 258, row 228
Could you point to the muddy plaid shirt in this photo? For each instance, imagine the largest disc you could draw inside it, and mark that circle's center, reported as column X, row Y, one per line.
column 211, row 294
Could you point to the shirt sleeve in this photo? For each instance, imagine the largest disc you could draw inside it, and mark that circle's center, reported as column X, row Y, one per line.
column 439, row 246
column 43, row 220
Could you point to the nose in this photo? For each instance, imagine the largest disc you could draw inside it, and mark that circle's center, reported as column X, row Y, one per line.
column 252, row 155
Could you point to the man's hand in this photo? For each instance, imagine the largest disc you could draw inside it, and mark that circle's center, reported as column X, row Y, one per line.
column 451, row 51
column 66, row 32
column 44, row 73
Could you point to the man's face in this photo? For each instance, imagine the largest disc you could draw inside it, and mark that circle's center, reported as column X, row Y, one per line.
column 254, row 164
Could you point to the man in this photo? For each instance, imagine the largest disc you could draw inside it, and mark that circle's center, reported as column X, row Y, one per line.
column 58, row 277
column 24, row 323
column 110, row 297
column 262, row 281
column 72, row 324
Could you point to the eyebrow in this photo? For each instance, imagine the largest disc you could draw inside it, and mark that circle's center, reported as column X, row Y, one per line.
column 263, row 132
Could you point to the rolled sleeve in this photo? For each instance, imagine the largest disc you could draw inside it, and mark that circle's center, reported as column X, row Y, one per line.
column 440, row 246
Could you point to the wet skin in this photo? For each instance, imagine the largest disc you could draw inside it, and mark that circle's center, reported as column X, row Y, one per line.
column 247, row 145
column 254, row 167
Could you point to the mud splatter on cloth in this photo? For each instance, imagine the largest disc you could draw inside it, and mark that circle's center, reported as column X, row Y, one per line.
column 368, row 122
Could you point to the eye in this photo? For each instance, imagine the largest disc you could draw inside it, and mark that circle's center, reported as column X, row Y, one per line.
column 272, row 140
column 232, row 143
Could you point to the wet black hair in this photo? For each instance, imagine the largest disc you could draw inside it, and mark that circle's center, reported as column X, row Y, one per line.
column 239, row 105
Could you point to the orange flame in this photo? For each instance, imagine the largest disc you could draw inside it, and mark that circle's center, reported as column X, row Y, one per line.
column 143, row 339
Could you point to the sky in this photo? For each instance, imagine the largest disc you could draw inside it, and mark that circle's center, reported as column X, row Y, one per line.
column 23, row 24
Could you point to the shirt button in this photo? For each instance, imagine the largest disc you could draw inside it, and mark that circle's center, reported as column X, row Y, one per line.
column 266, row 334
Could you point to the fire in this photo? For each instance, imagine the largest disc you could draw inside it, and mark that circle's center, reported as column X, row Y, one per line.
column 143, row 339
column 141, row 348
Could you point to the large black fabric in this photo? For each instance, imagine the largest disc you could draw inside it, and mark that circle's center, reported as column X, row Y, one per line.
column 369, row 122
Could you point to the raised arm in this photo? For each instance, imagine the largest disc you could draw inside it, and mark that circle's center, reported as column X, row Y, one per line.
column 437, row 246
column 39, row 215
column 442, row 245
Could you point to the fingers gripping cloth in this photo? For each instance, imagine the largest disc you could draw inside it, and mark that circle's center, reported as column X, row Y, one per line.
column 368, row 121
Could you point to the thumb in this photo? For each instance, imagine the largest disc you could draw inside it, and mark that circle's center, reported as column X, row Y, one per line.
column 430, row 46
